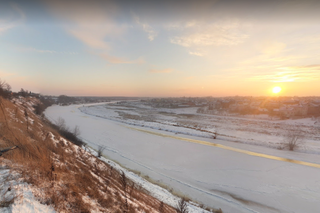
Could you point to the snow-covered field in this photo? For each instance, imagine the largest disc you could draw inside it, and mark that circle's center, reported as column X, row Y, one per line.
column 220, row 178
column 254, row 130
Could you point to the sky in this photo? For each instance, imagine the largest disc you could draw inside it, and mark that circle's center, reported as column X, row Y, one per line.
column 161, row 48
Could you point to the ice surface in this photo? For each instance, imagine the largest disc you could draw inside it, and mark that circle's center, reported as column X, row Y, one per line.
column 217, row 177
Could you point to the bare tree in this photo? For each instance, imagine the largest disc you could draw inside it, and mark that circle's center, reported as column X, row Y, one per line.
column 182, row 206
column 2, row 84
column 293, row 139
column 5, row 89
column 61, row 124
column 76, row 131
column 100, row 150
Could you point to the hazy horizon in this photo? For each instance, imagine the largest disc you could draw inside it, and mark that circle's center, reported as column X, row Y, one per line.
column 161, row 49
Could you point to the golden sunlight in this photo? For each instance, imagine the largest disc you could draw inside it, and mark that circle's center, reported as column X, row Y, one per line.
column 276, row 90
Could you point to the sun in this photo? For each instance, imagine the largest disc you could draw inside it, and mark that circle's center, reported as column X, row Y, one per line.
column 276, row 90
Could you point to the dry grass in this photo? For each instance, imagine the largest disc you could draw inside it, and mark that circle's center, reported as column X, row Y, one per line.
column 70, row 179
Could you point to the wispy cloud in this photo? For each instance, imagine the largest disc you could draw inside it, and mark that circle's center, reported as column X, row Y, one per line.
column 16, row 19
column 195, row 53
column 48, row 51
column 291, row 74
column 161, row 70
column 116, row 60
column 5, row 74
column 217, row 34
column 272, row 47
column 92, row 23
column 198, row 36
column 147, row 28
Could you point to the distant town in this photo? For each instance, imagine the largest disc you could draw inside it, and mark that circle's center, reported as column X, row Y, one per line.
column 277, row 107
column 281, row 107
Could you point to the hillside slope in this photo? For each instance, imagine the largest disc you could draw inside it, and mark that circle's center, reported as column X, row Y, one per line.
column 48, row 173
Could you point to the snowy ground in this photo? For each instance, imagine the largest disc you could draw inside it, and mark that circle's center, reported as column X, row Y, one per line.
column 220, row 178
column 22, row 194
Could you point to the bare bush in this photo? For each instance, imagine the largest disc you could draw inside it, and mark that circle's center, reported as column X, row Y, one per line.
column 5, row 89
column 161, row 207
column 182, row 206
column 64, row 131
column 293, row 139
column 61, row 124
column 27, row 118
column 76, row 131
column 124, row 181
column 39, row 108
column 100, row 150
column 124, row 184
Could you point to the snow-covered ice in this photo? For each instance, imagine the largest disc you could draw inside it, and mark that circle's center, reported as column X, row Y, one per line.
column 219, row 178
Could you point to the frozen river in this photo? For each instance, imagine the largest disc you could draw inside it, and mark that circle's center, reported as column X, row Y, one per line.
column 215, row 176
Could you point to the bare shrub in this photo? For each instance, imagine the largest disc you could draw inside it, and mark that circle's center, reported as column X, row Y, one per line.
column 61, row 124
column 39, row 108
column 215, row 132
column 123, row 181
column 161, row 207
column 124, row 184
column 132, row 189
column 76, row 131
column 182, row 206
column 27, row 118
column 64, row 131
column 293, row 139
column 5, row 89
column 100, row 150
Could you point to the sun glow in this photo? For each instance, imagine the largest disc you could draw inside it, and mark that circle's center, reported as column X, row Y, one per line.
column 276, row 90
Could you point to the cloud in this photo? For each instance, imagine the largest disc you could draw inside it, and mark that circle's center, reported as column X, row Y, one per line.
column 17, row 17
column 93, row 23
column 272, row 47
column 291, row 74
column 147, row 28
column 90, row 22
column 93, row 39
column 48, row 51
column 310, row 39
column 195, row 35
column 161, row 70
column 195, row 53
column 5, row 74
column 116, row 60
